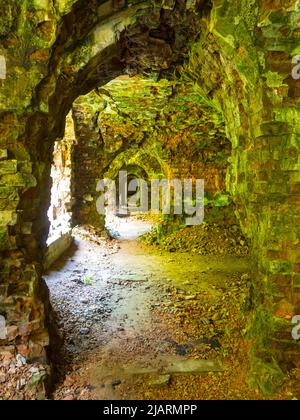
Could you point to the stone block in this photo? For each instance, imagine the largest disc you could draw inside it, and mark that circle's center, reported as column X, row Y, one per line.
column 26, row 328
column 8, row 354
column 280, row 267
column 57, row 248
column 23, row 349
column 283, row 280
column 296, row 281
column 284, row 292
column 25, row 167
column 3, row 154
column 9, row 193
column 26, row 228
column 8, row 218
column 8, row 167
column 18, row 180
column 12, row 332
column 8, row 204
column 296, row 299
column 170, row 4
column 36, row 352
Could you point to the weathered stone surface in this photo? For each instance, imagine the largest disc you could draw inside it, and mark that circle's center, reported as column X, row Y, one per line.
column 261, row 110
column 56, row 248
column 179, row 365
column 242, row 66
column 161, row 381
column 3, row 154
column 115, row 131
column 8, row 167
column 8, row 218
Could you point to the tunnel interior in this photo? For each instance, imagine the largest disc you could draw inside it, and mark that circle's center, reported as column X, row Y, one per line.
column 175, row 90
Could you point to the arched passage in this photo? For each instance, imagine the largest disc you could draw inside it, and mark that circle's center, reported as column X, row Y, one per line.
column 243, row 67
column 69, row 63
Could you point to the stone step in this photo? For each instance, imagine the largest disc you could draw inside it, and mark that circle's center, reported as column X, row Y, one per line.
column 176, row 364
column 192, row 366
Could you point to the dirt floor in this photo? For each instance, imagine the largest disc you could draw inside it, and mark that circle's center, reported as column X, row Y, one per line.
column 138, row 323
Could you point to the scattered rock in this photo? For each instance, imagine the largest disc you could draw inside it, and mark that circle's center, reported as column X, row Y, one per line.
column 205, row 321
column 36, row 380
column 34, row 370
column 177, row 365
column 20, row 384
column 116, row 382
column 68, row 398
column 12, row 332
column 162, row 380
column 206, row 239
column 20, row 360
column 84, row 301
column 190, row 297
column 84, row 331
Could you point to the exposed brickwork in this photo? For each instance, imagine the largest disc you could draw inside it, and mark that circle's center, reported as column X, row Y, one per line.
column 114, row 132
column 242, row 64
column 261, row 110
column 53, row 55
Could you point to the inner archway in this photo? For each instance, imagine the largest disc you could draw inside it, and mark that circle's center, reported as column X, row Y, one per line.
column 119, row 286
column 133, row 221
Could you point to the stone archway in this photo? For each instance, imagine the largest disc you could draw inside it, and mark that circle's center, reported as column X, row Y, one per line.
column 75, row 50
column 53, row 55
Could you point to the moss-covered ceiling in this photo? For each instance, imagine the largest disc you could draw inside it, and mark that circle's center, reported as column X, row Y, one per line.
column 166, row 120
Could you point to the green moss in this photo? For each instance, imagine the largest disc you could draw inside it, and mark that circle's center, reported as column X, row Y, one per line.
column 265, row 372
column 267, row 376
column 64, row 6
column 274, row 79
column 3, row 237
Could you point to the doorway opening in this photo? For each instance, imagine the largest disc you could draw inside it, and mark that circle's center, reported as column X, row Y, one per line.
column 129, row 222
column 60, row 210
column 134, row 311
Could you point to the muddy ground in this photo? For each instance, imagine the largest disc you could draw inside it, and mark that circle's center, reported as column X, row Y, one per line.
column 138, row 323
